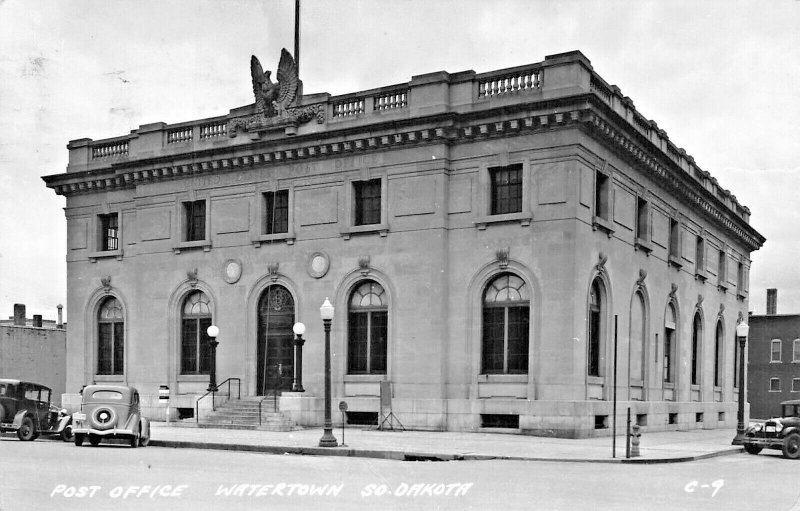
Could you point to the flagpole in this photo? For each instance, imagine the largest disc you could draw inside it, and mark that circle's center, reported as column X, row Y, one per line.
column 297, row 35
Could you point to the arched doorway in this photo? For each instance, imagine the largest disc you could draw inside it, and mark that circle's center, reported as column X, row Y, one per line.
column 274, row 357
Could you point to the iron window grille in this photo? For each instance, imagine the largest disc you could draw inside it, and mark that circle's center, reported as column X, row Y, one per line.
column 109, row 228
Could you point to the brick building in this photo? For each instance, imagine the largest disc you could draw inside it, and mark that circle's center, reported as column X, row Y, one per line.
column 773, row 354
column 485, row 239
column 34, row 349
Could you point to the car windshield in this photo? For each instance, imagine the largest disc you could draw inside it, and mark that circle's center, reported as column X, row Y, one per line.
column 2, row 389
column 107, row 394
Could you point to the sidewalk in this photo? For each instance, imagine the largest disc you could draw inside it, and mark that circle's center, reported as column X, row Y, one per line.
column 661, row 447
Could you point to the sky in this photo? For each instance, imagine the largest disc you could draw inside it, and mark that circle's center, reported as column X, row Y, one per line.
column 720, row 76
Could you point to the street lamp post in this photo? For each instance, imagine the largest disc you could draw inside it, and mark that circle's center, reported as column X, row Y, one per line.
column 213, row 332
column 326, row 313
column 742, row 329
column 297, row 382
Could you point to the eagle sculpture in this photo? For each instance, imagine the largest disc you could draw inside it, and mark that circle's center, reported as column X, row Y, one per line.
column 273, row 98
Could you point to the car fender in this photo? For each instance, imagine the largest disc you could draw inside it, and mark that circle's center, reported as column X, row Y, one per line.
column 63, row 422
column 788, row 431
column 21, row 414
column 133, row 420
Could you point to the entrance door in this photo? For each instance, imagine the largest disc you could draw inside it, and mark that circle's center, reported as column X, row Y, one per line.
column 275, row 359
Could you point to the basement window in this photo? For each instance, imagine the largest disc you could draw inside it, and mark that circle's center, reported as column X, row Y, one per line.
column 497, row 420
column 362, row 418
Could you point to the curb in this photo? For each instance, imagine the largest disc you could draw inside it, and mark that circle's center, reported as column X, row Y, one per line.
column 417, row 456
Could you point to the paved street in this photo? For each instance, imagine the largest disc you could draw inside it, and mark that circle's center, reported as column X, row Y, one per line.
column 54, row 475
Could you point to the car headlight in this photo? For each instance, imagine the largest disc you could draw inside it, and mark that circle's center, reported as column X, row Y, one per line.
column 758, row 427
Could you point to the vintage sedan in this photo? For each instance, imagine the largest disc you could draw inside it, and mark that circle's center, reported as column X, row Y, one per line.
column 25, row 407
column 781, row 433
column 110, row 411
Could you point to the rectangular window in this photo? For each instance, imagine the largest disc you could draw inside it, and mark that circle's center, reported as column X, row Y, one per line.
column 195, row 220
column 796, row 350
column 602, row 206
column 795, row 384
column 674, row 238
column 700, row 254
column 721, row 274
column 774, row 384
column 740, row 279
column 506, row 183
column 775, row 351
column 367, row 202
column 276, row 212
column 109, row 232
column 642, row 219
column 669, row 335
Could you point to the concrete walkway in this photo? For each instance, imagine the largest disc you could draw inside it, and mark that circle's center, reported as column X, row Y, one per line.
column 661, row 447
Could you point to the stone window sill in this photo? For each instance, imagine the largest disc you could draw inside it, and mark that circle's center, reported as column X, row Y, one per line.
column 194, row 378
column 192, row 245
column 502, row 378
column 601, row 224
column 382, row 229
column 288, row 237
column 94, row 256
column 596, row 380
column 675, row 261
column 643, row 245
column 523, row 218
column 364, row 378
column 109, row 378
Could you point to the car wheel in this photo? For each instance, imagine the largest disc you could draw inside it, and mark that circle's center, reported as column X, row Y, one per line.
column 144, row 441
column 94, row 440
column 791, row 446
column 26, row 431
column 752, row 449
column 78, row 439
column 66, row 433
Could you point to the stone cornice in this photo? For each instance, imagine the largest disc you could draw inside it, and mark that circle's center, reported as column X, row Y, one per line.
column 583, row 111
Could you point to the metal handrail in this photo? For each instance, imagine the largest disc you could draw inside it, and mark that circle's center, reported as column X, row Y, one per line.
column 278, row 379
column 213, row 393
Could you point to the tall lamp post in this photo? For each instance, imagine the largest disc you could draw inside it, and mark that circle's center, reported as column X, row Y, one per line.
column 742, row 329
column 326, row 313
column 297, row 383
column 213, row 332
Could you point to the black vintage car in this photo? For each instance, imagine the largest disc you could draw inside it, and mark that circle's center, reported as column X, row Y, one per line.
column 781, row 433
column 25, row 407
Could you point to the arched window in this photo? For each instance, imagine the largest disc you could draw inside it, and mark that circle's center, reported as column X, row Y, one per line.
column 697, row 340
column 506, row 316
column 718, row 351
column 638, row 337
column 195, row 320
column 367, row 329
column 111, row 338
column 595, row 334
column 669, row 344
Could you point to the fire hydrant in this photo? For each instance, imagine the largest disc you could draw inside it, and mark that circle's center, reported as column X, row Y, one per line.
column 635, row 441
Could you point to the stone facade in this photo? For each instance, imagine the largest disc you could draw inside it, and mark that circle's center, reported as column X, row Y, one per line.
column 544, row 174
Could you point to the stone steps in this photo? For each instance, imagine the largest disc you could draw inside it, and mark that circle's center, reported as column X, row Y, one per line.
column 244, row 414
